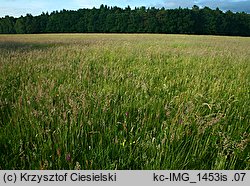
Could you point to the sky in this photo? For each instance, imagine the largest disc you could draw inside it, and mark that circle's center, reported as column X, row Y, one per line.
column 17, row 8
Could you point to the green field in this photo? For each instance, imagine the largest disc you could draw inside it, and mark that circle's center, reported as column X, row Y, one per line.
column 110, row 101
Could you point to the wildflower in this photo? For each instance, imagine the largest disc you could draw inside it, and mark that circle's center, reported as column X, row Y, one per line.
column 180, row 121
column 58, row 152
column 78, row 166
column 68, row 157
column 123, row 143
column 44, row 165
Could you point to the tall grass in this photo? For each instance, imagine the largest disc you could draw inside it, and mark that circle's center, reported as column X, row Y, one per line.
column 113, row 101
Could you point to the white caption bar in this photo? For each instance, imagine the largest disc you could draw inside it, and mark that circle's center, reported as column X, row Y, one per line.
column 125, row 177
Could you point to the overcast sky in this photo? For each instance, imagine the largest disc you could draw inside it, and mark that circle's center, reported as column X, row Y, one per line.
column 17, row 8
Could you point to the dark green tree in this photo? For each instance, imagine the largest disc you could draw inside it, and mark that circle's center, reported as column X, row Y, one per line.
column 7, row 25
column 139, row 20
column 20, row 26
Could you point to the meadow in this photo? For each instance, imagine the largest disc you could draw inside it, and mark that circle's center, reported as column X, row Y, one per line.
column 124, row 101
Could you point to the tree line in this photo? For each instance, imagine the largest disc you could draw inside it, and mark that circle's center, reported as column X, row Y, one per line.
column 139, row 20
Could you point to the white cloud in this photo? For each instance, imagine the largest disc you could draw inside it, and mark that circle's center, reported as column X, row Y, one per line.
column 234, row 5
column 17, row 8
column 35, row 7
column 85, row 3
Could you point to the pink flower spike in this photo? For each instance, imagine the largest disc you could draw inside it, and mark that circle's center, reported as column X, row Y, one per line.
column 68, row 157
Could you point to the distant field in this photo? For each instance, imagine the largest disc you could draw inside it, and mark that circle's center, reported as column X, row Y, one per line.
column 110, row 101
